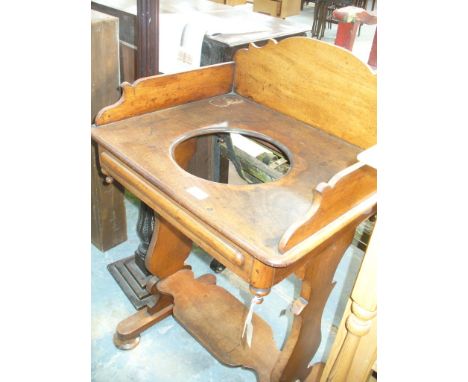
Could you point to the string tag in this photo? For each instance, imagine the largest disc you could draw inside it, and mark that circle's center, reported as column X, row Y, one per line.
column 248, row 325
column 298, row 305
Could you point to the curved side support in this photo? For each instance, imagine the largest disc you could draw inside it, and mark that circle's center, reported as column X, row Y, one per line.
column 347, row 195
column 162, row 91
column 305, row 336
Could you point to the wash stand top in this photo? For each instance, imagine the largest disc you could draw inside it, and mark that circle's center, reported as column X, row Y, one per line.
column 314, row 101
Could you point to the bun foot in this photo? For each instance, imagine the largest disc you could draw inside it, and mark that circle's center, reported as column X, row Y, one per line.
column 125, row 344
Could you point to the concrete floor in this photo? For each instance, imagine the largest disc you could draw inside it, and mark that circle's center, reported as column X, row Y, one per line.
column 166, row 351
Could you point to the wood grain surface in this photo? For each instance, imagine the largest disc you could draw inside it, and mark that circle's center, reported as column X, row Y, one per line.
column 332, row 200
column 315, row 82
column 197, row 306
column 305, row 335
column 108, row 223
column 158, row 92
column 253, row 217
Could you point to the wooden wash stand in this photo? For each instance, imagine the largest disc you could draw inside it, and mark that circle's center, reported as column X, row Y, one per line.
column 315, row 101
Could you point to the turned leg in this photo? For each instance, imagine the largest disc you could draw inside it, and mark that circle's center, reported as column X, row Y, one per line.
column 305, row 336
column 166, row 255
column 348, row 360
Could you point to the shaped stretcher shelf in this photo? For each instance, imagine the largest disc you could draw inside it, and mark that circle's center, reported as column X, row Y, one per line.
column 216, row 318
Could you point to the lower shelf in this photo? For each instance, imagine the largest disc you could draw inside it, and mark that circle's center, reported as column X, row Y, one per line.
column 216, row 318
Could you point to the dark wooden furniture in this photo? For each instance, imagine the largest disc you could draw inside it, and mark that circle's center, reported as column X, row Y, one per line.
column 299, row 224
column 108, row 224
column 221, row 47
column 148, row 38
column 216, row 47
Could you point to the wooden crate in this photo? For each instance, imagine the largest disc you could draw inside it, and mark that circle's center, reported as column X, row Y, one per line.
column 235, row 2
column 230, row 2
column 108, row 221
column 278, row 8
column 127, row 39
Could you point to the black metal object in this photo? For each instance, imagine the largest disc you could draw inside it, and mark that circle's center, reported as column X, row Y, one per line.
column 131, row 273
column 145, row 228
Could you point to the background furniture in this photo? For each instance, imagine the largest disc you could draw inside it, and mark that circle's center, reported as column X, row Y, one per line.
column 221, row 47
column 108, row 224
column 323, row 15
column 230, row 2
column 223, row 30
column 354, row 352
column 278, row 8
column 349, row 22
column 127, row 37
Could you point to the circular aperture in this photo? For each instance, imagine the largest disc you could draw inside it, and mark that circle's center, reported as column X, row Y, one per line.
column 232, row 158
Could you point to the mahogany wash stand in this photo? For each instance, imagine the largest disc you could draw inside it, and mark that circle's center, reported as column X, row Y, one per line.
column 315, row 101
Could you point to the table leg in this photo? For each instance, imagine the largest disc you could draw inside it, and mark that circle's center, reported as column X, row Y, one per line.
column 166, row 255
column 133, row 273
column 305, row 336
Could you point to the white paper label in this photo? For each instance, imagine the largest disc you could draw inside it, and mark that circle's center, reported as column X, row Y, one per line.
column 248, row 325
column 197, row 193
column 249, row 333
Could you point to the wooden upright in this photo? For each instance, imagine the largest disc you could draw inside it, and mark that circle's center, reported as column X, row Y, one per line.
column 316, row 102
column 108, row 224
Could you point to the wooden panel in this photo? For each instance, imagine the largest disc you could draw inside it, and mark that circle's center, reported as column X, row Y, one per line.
column 127, row 38
column 305, row 336
column 128, row 55
column 105, row 79
column 108, row 218
column 290, row 8
column 235, row 2
column 354, row 350
column 278, row 8
column 108, row 224
column 269, row 7
column 127, row 20
column 163, row 91
column 332, row 201
column 315, row 82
